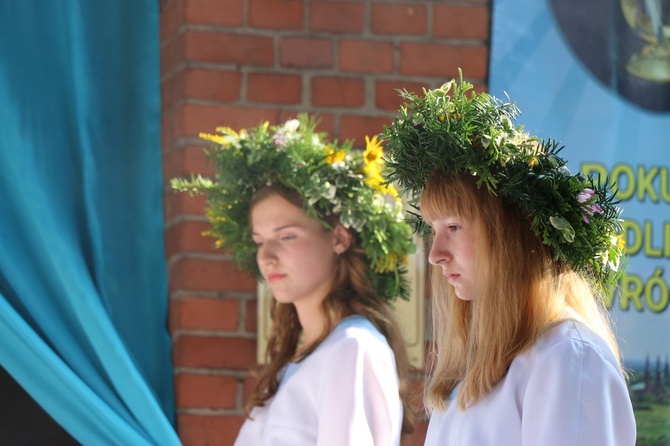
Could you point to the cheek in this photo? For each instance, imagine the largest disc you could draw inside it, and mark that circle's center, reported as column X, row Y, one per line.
column 314, row 257
column 472, row 260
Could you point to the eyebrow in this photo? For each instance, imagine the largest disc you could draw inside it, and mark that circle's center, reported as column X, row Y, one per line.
column 281, row 228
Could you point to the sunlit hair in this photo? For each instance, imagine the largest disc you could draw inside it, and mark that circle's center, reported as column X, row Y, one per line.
column 521, row 292
column 352, row 293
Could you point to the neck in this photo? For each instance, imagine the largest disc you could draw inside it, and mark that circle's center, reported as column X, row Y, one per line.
column 312, row 321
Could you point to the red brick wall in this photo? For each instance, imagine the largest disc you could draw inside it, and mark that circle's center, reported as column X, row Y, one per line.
column 240, row 62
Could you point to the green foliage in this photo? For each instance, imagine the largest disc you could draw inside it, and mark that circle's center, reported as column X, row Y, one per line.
column 454, row 129
column 330, row 178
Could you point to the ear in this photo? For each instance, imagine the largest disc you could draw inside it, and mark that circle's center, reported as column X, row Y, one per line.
column 341, row 239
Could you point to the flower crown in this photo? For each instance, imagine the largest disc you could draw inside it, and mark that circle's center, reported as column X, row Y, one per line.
column 447, row 130
column 331, row 180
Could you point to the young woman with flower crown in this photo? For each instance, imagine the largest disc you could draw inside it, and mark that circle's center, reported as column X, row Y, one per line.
column 314, row 221
column 522, row 250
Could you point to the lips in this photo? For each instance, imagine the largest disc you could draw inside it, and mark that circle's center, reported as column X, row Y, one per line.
column 452, row 277
column 274, row 277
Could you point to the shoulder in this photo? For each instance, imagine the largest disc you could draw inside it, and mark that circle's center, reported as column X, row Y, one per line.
column 571, row 390
column 570, row 344
column 575, row 334
column 358, row 330
column 355, row 336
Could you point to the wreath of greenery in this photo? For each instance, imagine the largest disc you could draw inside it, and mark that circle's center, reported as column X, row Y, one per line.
column 449, row 130
column 331, row 179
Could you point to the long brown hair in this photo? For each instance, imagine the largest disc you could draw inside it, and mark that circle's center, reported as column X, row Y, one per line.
column 521, row 293
column 352, row 293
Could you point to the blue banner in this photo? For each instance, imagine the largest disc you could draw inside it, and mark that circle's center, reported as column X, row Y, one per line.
column 596, row 76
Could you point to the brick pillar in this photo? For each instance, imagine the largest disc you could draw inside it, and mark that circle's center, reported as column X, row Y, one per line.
column 240, row 62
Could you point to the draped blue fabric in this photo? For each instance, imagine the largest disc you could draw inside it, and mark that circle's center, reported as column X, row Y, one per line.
column 83, row 281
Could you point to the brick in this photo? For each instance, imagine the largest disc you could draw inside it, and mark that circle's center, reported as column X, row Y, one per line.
column 399, row 18
column 188, row 236
column 338, row 92
column 172, row 91
column 205, row 391
column 251, row 325
column 337, row 17
column 327, row 124
column 365, row 56
column 209, row 275
column 463, row 22
column 357, row 127
column 204, row 313
column 386, row 96
column 209, row 430
column 171, row 18
column 189, row 120
column 422, row 59
column 237, row 49
column 274, row 88
column 214, row 85
column 178, row 203
column 214, row 352
column 168, row 129
column 172, row 54
column 276, row 14
column 187, row 160
column 194, row 119
column 249, row 387
column 219, row 12
column 297, row 52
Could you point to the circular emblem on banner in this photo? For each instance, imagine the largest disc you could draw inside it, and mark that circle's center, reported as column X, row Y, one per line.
column 624, row 44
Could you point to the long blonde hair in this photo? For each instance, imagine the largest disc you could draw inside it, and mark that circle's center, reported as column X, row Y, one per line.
column 521, row 293
column 352, row 293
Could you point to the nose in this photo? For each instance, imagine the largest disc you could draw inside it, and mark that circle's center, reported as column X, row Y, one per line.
column 439, row 252
column 266, row 254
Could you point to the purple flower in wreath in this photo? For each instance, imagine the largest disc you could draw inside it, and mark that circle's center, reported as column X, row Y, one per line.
column 589, row 208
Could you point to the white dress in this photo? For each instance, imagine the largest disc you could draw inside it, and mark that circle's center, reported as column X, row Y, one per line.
column 566, row 391
column 343, row 394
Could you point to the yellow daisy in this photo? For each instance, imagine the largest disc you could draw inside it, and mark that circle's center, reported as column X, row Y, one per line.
column 373, row 150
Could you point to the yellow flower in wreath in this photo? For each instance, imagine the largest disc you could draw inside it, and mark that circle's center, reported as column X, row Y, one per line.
column 373, row 156
column 334, row 157
column 373, row 150
column 218, row 139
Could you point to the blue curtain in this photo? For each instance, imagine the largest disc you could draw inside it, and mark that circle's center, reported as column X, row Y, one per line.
column 83, row 282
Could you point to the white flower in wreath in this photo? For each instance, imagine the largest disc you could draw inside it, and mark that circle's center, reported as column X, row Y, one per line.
column 286, row 133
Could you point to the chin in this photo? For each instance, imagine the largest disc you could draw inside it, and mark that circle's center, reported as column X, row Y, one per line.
column 463, row 296
column 459, row 294
column 282, row 299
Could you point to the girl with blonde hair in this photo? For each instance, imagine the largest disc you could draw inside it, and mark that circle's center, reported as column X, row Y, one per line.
column 522, row 251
